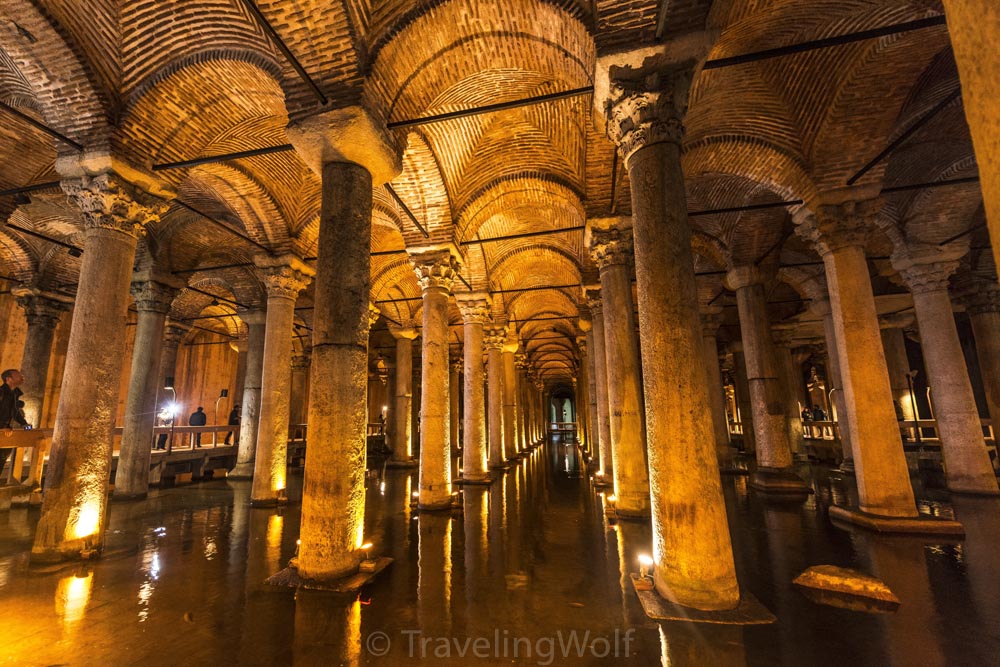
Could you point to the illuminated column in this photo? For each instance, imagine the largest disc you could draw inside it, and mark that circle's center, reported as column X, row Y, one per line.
column 298, row 404
column 510, row 444
column 837, row 227
column 972, row 30
column 454, row 393
column 983, row 307
column 692, row 553
column 436, row 269
column 742, row 389
column 76, row 482
column 475, row 309
column 351, row 152
column 770, row 420
column 250, row 415
column 966, row 460
column 894, row 346
column 402, row 445
column 284, row 277
column 523, row 406
column 835, row 385
column 583, row 387
column 790, row 381
column 42, row 311
column 593, row 297
column 610, row 243
column 153, row 295
column 711, row 320
column 594, row 446
column 494, row 340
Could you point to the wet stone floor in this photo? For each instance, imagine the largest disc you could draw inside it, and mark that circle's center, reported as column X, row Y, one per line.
column 530, row 573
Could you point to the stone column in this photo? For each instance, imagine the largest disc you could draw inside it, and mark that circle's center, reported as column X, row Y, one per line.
column 436, row 269
column 972, row 30
column 494, row 340
column 523, row 407
column 835, row 386
column 475, row 309
column 510, row 443
column 983, row 307
column 711, row 320
column 583, row 394
column 454, row 393
column 605, row 470
column 239, row 346
column 692, row 553
column 298, row 404
column 837, row 227
column 743, row 403
column 402, row 446
column 42, row 311
column 74, row 509
column 610, row 244
column 770, row 421
column 351, row 152
column 966, row 461
column 284, row 277
column 790, row 378
column 250, row 415
column 594, row 447
column 152, row 295
column 894, row 346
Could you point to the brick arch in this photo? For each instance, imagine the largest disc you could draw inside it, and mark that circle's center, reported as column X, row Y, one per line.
column 18, row 257
column 394, row 279
column 14, row 88
column 751, row 158
column 422, row 187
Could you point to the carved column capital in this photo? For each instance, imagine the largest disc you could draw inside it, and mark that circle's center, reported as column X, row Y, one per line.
column 109, row 202
column 435, row 267
column 373, row 314
column 744, row 276
column 407, row 330
column 581, row 344
column 610, row 247
column 474, row 306
column 41, row 308
column 494, row 339
column 592, row 297
column 895, row 320
column 284, row 277
column 832, row 223
column 174, row 332
column 153, row 295
column 926, row 268
column 646, row 106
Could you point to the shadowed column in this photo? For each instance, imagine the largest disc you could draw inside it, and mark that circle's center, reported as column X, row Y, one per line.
column 606, row 466
column 402, row 445
column 250, row 415
column 475, row 309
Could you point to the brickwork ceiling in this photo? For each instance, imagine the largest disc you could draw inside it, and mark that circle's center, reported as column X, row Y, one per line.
column 158, row 82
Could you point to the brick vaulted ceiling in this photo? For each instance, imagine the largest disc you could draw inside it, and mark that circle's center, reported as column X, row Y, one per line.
column 158, row 82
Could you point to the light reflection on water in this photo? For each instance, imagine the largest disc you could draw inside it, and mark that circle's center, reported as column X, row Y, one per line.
column 72, row 596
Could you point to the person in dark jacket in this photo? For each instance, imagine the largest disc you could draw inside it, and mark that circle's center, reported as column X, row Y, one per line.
column 198, row 418
column 11, row 415
column 235, row 416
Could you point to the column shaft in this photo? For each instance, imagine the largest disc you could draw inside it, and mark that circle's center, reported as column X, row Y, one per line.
column 474, row 443
column 716, row 395
column 595, row 438
column 835, row 388
column 894, row 346
column 454, row 394
column 402, row 446
column 510, row 443
column 986, row 329
column 250, row 415
column 601, row 384
column 435, row 435
column 494, row 365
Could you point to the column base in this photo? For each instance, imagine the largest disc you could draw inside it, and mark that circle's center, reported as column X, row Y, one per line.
column 439, row 506
column 405, row 463
column 986, row 492
column 896, row 525
column 627, row 515
column 119, row 497
column 268, row 502
column 779, row 483
column 349, row 583
column 749, row 611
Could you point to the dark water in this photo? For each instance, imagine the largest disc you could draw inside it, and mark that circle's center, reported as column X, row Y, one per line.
column 531, row 573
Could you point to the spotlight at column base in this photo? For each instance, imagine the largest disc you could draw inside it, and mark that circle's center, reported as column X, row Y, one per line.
column 348, row 583
column 845, row 518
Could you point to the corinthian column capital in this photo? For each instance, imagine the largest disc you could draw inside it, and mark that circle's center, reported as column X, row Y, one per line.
column 154, row 292
column 109, row 202
column 41, row 308
column 436, row 267
column 284, row 276
column 611, row 246
column 839, row 219
column 474, row 306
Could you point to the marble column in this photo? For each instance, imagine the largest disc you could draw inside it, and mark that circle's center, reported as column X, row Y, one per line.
column 454, row 397
column 239, row 346
column 711, row 320
column 583, row 388
column 250, row 415
column 42, row 311
column 743, row 402
column 790, row 377
column 351, row 152
column 692, row 552
column 436, row 269
column 972, row 32
column 152, row 295
column 594, row 447
column 605, row 470
column 894, row 346
column 523, row 409
column 284, row 277
column 966, row 460
column 611, row 250
column 298, row 404
column 402, row 413
column 983, row 307
column 835, row 386
column 494, row 340
column 74, row 506
column 770, row 420
column 475, row 309
column 837, row 224
column 510, row 443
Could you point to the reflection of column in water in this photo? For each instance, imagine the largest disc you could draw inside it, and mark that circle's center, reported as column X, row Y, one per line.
column 496, row 556
column 435, row 571
column 981, row 518
column 263, row 554
column 72, row 597
column 696, row 644
column 911, row 632
column 784, row 537
column 634, row 538
column 476, row 520
column 327, row 630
